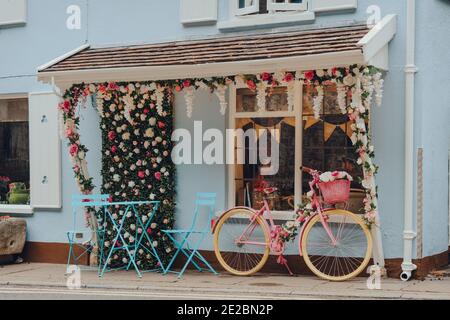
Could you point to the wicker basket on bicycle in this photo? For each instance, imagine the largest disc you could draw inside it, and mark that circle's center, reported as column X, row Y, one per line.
column 334, row 192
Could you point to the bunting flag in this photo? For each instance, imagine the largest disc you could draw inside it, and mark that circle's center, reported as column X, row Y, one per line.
column 310, row 121
column 329, row 128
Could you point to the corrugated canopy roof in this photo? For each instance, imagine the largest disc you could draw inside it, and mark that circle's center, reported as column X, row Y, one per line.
column 215, row 50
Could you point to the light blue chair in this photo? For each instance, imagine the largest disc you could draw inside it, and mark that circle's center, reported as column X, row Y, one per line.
column 80, row 235
column 186, row 244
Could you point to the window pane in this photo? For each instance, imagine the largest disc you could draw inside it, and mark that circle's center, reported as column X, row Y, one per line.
column 14, row 150
column 326, row 142
column 247, row 176
column 245, row 100
column 277, row 100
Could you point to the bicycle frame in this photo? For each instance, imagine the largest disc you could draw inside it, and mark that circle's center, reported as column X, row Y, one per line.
column 272, row 227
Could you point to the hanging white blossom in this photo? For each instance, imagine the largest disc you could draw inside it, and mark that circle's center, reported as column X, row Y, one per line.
column 159, row 92
column 201, row 85
column 342, row 97
column 378, row 83
column 189, row 96
column 220, row 93
column 291, row 95
column 128, row 106
column 318, row 101
column 261, row 93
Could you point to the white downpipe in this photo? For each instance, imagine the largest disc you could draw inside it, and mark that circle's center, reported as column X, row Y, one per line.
column 410, row 70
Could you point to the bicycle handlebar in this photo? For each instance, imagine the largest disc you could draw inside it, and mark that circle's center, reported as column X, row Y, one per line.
column 309, row 170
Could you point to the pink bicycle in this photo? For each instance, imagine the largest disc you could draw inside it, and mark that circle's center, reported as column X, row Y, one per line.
column 335, row 244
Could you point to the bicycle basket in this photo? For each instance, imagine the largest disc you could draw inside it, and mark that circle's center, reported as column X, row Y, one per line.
column 337, row 191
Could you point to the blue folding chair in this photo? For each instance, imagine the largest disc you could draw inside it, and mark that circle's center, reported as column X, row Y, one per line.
column 186, row 244
column 80, row 236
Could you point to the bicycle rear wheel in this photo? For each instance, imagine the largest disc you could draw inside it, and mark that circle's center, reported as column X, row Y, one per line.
column 341, row 261
column 242, row 246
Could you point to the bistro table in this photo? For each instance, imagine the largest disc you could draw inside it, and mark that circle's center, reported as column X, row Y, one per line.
column 118, row 227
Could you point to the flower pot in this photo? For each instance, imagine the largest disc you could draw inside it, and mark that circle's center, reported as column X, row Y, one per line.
column 18, row 194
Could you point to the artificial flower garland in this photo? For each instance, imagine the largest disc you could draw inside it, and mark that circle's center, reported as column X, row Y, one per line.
column 358, row 82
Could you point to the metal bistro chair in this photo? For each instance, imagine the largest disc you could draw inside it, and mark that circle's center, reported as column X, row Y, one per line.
column 77, row 236
column 187, row 245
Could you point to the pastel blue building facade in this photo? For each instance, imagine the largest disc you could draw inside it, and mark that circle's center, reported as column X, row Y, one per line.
column 45, row 35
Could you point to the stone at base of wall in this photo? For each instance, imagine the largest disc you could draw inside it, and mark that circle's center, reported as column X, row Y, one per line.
column 58, row 252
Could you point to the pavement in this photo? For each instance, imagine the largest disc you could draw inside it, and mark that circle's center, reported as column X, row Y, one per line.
column 48, row 281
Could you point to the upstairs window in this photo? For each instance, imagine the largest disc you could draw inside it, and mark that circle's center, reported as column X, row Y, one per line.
column 286, row 5
column 247, row 7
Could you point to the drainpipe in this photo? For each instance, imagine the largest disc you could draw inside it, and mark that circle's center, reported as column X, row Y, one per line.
column 410, row 70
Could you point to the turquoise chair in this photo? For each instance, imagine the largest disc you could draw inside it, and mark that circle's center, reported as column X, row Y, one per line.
column 185, row 243
column 80, row 235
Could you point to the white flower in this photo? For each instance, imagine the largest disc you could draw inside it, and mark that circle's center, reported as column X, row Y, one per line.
column 153, row 225
column 126, row 235
column 81, row 155
column 152, row 121
column 124, row 260
column 349, row 80
column 155, row 243
column 131, row 184
column 116, row 178
column 126, row 136
column 320, row 73
column 132, row 227
column 290, row 224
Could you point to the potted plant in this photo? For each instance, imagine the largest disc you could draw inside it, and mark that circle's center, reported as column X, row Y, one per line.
column 18, row 193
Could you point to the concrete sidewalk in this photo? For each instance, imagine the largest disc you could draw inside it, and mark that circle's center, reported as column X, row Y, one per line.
column 258, row 286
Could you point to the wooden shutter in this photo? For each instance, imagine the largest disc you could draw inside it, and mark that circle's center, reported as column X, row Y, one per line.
column 45, row 151
column 198, row 11
column 332, row 5
column 13, row 12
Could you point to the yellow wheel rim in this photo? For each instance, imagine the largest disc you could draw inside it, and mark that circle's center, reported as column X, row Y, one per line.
column 232, row 214
column 341, row 277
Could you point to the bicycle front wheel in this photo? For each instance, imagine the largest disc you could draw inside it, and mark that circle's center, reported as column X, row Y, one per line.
column 344, row 259
column 241, row 242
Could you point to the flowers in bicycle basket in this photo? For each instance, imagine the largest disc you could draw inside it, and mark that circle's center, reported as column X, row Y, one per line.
column 335, row 175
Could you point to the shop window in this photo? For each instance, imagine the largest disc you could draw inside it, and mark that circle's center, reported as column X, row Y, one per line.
column 14, row 152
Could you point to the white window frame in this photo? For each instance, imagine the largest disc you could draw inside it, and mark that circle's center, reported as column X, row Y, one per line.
column 295, row 113
column 273, row 6
column 249, row 9
column 11, row 208
column 244, row 19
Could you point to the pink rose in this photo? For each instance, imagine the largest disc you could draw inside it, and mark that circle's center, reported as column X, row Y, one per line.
column 65, row 106
column 113, row 149
column 187, row 83
column 161, row 124
column 113, row 86
column 251, row 85
column 177, row 88
column 73, row 150
column 309, row 75
column 76, row 169
column 111, row 135
column 141, row 174
column 335, row 173
column 265, row 76
column 69, row 133
column 158, row 175
column 288, row 77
